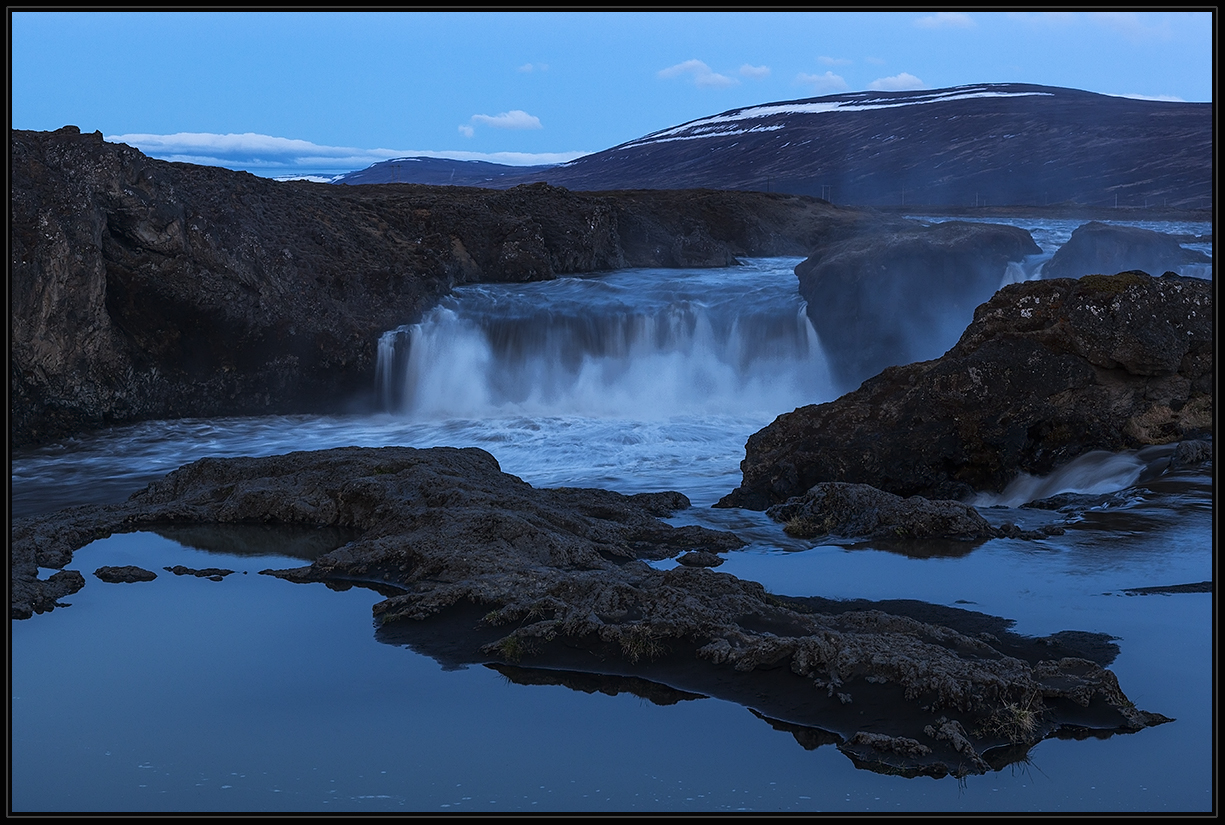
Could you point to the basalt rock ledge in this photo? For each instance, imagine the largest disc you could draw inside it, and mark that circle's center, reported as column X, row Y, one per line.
column 483, row 568
column 1046, row 371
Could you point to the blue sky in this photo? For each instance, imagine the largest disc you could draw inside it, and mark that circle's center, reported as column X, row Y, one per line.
column 273, row 92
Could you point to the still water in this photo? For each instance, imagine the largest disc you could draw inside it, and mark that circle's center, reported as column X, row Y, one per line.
column 256, row 694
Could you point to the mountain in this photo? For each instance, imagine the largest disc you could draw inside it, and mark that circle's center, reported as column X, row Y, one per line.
column 998, row 144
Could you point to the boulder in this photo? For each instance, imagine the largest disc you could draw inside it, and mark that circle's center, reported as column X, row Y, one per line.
column 1097, row 247
column 128, row 574
column 858, row 511
column 884, row 298
column 1048, row 370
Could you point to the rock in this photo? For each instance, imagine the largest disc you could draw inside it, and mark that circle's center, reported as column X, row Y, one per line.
column 29, row 594
column 883, row 298
column 1048, row 370
column 1191, row 453
column 142, row 289
column 860, row 511
column 1097, row 247
column 212, row 573
column 699, row 558
column 483, row 567
column 126, row 574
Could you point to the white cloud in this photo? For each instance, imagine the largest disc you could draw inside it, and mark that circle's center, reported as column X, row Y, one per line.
column 1043, row 19
column 264, row 154
column 534, row 67
column 466, row 131
column 755, row 72
column 827, row 83
column 833, row 61
column 514, row 119
column 1129, row 24
column 945, row 20
column 898, row 83
column 702, row 74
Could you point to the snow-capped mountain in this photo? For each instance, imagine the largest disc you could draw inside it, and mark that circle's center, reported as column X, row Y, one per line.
column 988, row 144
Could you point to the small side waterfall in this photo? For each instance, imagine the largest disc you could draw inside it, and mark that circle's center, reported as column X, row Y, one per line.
column 1027, row 269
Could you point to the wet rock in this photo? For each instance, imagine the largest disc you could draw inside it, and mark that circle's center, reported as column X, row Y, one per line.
column 1099, row 247
column 1047, row 371
column 212, row 573
column 699, row 558
column 883, row 298
column 861, row 511
column 1191, row 453
column 29, row 594
column 482, row 567
column 127, row 573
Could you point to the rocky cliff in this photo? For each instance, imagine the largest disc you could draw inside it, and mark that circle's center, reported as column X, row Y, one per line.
column 143, row 289
column 1048, row 370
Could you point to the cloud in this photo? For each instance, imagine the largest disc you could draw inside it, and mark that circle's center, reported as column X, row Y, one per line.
column 945, row 20
column 702, row 75
column 466, row 131
column 534, row 67
column 1129, row 24
column 514, row 119
column 1043, row 19
column 827, row 83
column 755, row 72
column 267, row 155
column 898, row 83
column 833, row 61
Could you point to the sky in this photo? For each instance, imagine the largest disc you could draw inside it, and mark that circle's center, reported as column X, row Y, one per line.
column 331, row 91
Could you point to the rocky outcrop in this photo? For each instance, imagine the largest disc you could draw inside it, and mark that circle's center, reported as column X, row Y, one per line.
column 127, row 574
column 1096, row 248
column 880, row 299
column 485, row 568
column 1048, row 370
column 841, row 510
column 143, row 289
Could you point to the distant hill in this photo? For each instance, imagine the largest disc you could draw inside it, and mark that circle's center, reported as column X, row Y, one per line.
column 1001, row 144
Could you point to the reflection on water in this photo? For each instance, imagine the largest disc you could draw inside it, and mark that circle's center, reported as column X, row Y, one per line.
column 295, row 541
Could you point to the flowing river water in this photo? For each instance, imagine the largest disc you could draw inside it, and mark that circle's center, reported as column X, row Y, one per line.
column 255, row 694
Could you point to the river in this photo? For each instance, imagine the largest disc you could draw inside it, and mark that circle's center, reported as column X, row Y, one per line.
column 255, row 694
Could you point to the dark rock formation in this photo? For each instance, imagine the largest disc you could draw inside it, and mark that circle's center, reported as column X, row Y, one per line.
column 1047, row 371
column 858, row 511
column 988, row 144
column 143, row 289
column 1097, row 248
column 126, row 574
column 880, row 299
column 211, row 573
column 488, row 569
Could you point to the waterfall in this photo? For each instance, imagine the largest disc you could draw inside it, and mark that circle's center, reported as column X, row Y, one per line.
column 640, row 343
